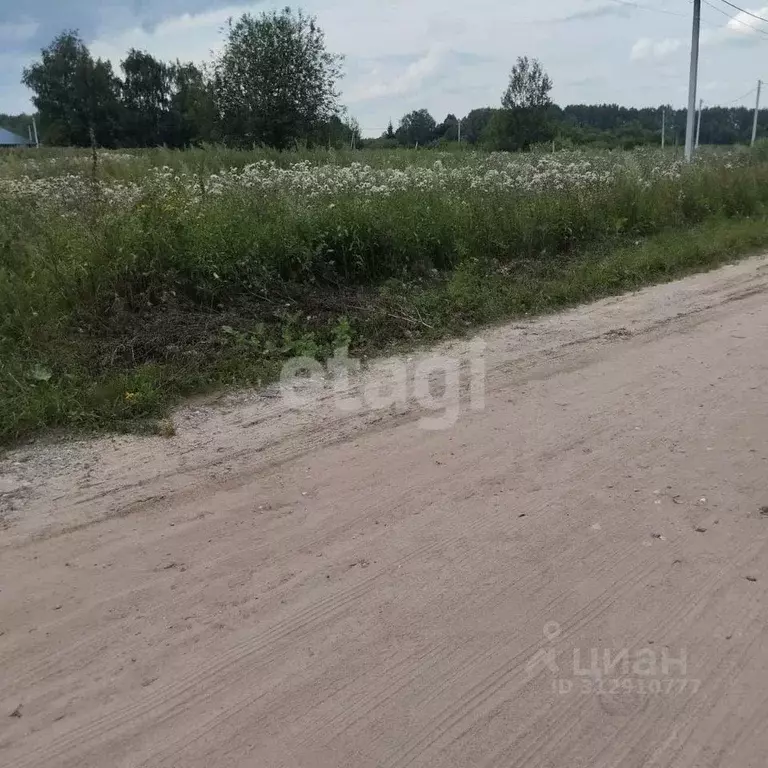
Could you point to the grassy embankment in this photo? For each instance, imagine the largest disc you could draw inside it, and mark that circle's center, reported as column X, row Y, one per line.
column 111, row 313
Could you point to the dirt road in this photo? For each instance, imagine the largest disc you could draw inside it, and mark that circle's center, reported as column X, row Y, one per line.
column 574, row 575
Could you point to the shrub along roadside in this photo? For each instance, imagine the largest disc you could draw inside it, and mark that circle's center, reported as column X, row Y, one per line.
column 108, row 317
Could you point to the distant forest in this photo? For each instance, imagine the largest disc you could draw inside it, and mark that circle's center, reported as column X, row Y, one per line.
column 604, row 126
column 596, row 125
column 624, row 126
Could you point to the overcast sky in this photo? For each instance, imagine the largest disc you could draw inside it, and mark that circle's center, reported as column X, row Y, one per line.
column 445, row 55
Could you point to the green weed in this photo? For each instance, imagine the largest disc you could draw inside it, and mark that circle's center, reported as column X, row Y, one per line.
column 110, row 314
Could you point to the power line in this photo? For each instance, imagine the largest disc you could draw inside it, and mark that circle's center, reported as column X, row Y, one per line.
column 653, row 9
column 749, row 13
column 649, row 8
column 744, row 96
column 733, row 18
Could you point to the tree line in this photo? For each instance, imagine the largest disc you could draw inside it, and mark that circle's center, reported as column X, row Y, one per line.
column 605, row 126
column 275, row 84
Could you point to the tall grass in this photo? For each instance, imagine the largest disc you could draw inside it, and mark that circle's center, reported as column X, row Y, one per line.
column 108, row 313
column 133, row 164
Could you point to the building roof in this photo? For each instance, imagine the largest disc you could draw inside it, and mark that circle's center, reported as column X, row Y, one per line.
column 8, row 139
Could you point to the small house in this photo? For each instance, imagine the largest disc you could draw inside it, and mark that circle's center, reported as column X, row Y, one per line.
column 8, row 139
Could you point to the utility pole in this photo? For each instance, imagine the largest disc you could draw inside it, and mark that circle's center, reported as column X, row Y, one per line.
column 663, row 125
column 692, row 80
column 754, row 119
column 34, row 128
column 698, row 123
column 29, row 130
column 459, row 129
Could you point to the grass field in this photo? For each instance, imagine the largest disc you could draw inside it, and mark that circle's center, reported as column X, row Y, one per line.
column 128, row 280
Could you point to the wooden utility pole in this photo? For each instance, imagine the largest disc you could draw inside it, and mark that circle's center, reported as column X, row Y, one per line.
column 754, row 119
column 698, row 123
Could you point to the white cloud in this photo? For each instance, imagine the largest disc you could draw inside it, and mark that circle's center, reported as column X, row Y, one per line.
column 190, row 37
column 378, row 84
column 742, row 23
column 646, row 48
column 742, row 26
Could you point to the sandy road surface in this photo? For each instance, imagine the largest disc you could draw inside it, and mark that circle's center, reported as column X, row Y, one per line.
column 295, row 586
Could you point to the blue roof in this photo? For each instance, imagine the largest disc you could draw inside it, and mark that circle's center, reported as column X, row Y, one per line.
column 8, row 139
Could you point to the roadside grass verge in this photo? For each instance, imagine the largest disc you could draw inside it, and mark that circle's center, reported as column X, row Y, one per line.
column 111, row 312
column 126, row 374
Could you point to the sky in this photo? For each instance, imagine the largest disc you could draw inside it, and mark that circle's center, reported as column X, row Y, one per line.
column 449, row 56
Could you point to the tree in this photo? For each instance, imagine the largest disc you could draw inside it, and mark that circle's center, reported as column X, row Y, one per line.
column 448, row 130
column 146, row 98
column 275, row 83
column 74, row 94
column 417, row 127
column 529, row 86
column 192, row 108
column 511, row 130
column 474, row 124
column 356, row 134
column 337, row 133
column 523, row 118
column 387, row 140
column 610, row 125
